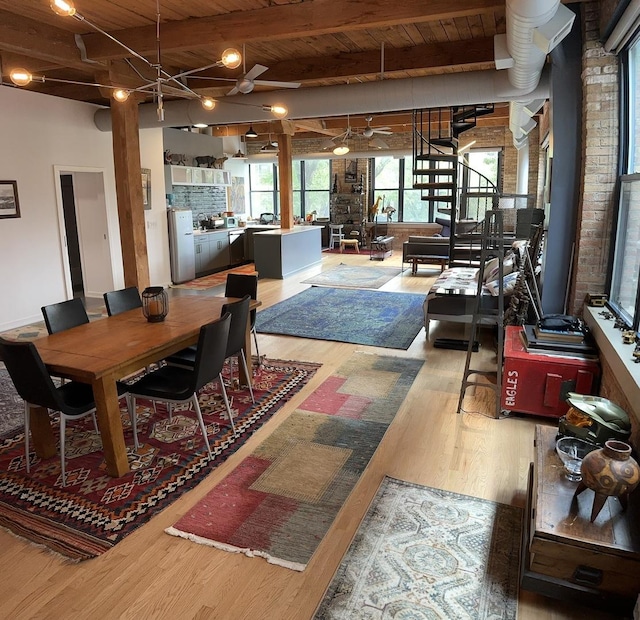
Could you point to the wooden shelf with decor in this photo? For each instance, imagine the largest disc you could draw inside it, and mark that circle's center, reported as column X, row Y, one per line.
column 348, row 210
column 190, row 175
column 564, row 555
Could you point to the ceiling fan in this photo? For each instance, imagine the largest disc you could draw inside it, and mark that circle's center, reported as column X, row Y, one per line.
column 247, row 81
column 368, row 131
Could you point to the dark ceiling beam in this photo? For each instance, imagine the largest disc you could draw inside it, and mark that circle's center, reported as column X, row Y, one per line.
column 27, row 37
column 277, row 22
column 357, row 64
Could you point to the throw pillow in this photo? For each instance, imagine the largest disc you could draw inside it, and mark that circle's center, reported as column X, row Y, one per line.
column 489, row 266
column 508, row 284
column 507, row 268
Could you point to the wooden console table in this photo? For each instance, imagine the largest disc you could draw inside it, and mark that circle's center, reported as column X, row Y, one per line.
column 565, row 556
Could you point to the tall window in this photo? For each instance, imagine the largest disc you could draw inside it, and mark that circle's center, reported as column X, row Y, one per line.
column 479, row 182
column 311, row 188
column 392, row 180
column 624, row 294
column 263, row 184
column 316, row 187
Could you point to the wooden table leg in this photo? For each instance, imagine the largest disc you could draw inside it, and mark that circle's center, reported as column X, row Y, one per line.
column 41, row 433
column 110, row 425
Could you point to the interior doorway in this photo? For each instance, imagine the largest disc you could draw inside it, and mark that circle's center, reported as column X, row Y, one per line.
column 84, row 231
column 71, row 230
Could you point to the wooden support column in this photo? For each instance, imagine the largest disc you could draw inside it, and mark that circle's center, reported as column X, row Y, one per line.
column 285, row 176
column 285, row 181
column 126, row 158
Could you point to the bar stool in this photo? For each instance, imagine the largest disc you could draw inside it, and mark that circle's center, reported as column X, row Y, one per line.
column 336, row 233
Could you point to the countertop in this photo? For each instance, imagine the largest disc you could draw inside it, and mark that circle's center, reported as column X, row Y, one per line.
column 290, row 231
column 237, row 229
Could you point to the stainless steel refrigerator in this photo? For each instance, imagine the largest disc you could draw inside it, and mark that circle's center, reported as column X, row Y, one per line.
column 181, row 250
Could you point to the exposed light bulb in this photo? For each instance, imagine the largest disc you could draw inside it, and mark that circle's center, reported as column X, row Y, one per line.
column 341, row 149
column 278, row 110
column 20, row 77
column 231, row 58
column 208, row 103
column 62, row 8
column 121, row 95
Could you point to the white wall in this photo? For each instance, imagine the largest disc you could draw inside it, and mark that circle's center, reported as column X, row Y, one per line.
column 151, row 156
column 39, row 132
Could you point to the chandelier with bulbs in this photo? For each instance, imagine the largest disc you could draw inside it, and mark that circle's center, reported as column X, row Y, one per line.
column 164, row 83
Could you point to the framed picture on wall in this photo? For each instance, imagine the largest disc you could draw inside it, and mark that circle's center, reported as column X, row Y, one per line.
column 350, row 170
column 9, row 205
column 146, row 188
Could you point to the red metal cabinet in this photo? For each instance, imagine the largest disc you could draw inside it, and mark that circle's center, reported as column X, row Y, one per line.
column 538, row 384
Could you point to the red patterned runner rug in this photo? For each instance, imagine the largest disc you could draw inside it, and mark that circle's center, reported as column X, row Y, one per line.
column 94, row 511
column 282, row 499
column 215, row 279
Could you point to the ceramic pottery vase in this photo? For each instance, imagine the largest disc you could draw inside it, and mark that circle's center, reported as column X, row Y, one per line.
column 609, row 471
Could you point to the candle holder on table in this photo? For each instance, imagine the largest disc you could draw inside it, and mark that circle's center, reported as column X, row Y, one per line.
column 155, row 304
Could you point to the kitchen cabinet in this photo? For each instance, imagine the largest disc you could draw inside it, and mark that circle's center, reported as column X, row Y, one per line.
column 201, row 248
column 190, row 175
column 212, row 252
column 219, row 250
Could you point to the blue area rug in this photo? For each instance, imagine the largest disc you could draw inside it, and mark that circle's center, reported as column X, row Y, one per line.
column 375, row 318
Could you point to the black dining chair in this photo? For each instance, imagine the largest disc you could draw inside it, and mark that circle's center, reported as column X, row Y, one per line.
column 239, row 285
column 122, row 300
column 239, row 311
column 178, row 384
column 64, row 315
column 235, row 346
column 73, row 400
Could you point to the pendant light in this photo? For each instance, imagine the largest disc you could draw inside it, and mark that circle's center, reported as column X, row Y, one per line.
column 251, row 133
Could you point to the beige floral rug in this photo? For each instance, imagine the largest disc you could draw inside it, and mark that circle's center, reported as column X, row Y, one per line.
column 427, row 553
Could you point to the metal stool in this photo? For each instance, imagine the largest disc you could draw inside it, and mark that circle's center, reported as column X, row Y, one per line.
column 336, row 234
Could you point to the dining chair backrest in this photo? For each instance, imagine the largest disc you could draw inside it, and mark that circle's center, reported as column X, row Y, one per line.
column 29, row 374
column 64, row 315
column 122, row 300
column 239, row 317
column 241, row 284
column 211, row 351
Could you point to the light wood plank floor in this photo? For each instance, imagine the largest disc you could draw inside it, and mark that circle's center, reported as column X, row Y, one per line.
column 153, row 575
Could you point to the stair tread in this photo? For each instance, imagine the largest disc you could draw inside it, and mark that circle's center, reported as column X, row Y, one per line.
column 433, row 185
column 436, row 157
column 437, row 198
column 435, row 171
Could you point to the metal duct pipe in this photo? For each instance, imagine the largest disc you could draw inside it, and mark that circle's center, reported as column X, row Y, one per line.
column 533, row 28
column 522, row 17
column 468, row 88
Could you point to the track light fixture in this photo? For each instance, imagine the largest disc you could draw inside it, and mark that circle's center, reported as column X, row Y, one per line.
column 163, row 83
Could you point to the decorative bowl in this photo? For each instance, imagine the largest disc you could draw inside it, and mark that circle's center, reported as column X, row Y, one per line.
column 571, row 451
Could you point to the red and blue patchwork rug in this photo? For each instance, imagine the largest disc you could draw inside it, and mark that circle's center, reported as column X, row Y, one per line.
column 94, row 511
column 282, row 499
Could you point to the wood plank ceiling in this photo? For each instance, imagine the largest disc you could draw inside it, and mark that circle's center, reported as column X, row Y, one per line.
column 314, row 42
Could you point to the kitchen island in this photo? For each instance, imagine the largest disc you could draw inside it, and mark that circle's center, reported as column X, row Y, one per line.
column 280, row 252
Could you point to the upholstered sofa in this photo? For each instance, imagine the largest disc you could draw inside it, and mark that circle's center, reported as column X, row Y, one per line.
column 453, row 295
column 419, row 249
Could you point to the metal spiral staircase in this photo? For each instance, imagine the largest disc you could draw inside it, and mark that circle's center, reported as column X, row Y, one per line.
column 437, row 170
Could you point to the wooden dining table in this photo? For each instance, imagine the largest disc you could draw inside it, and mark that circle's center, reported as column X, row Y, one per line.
column 105, row 350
